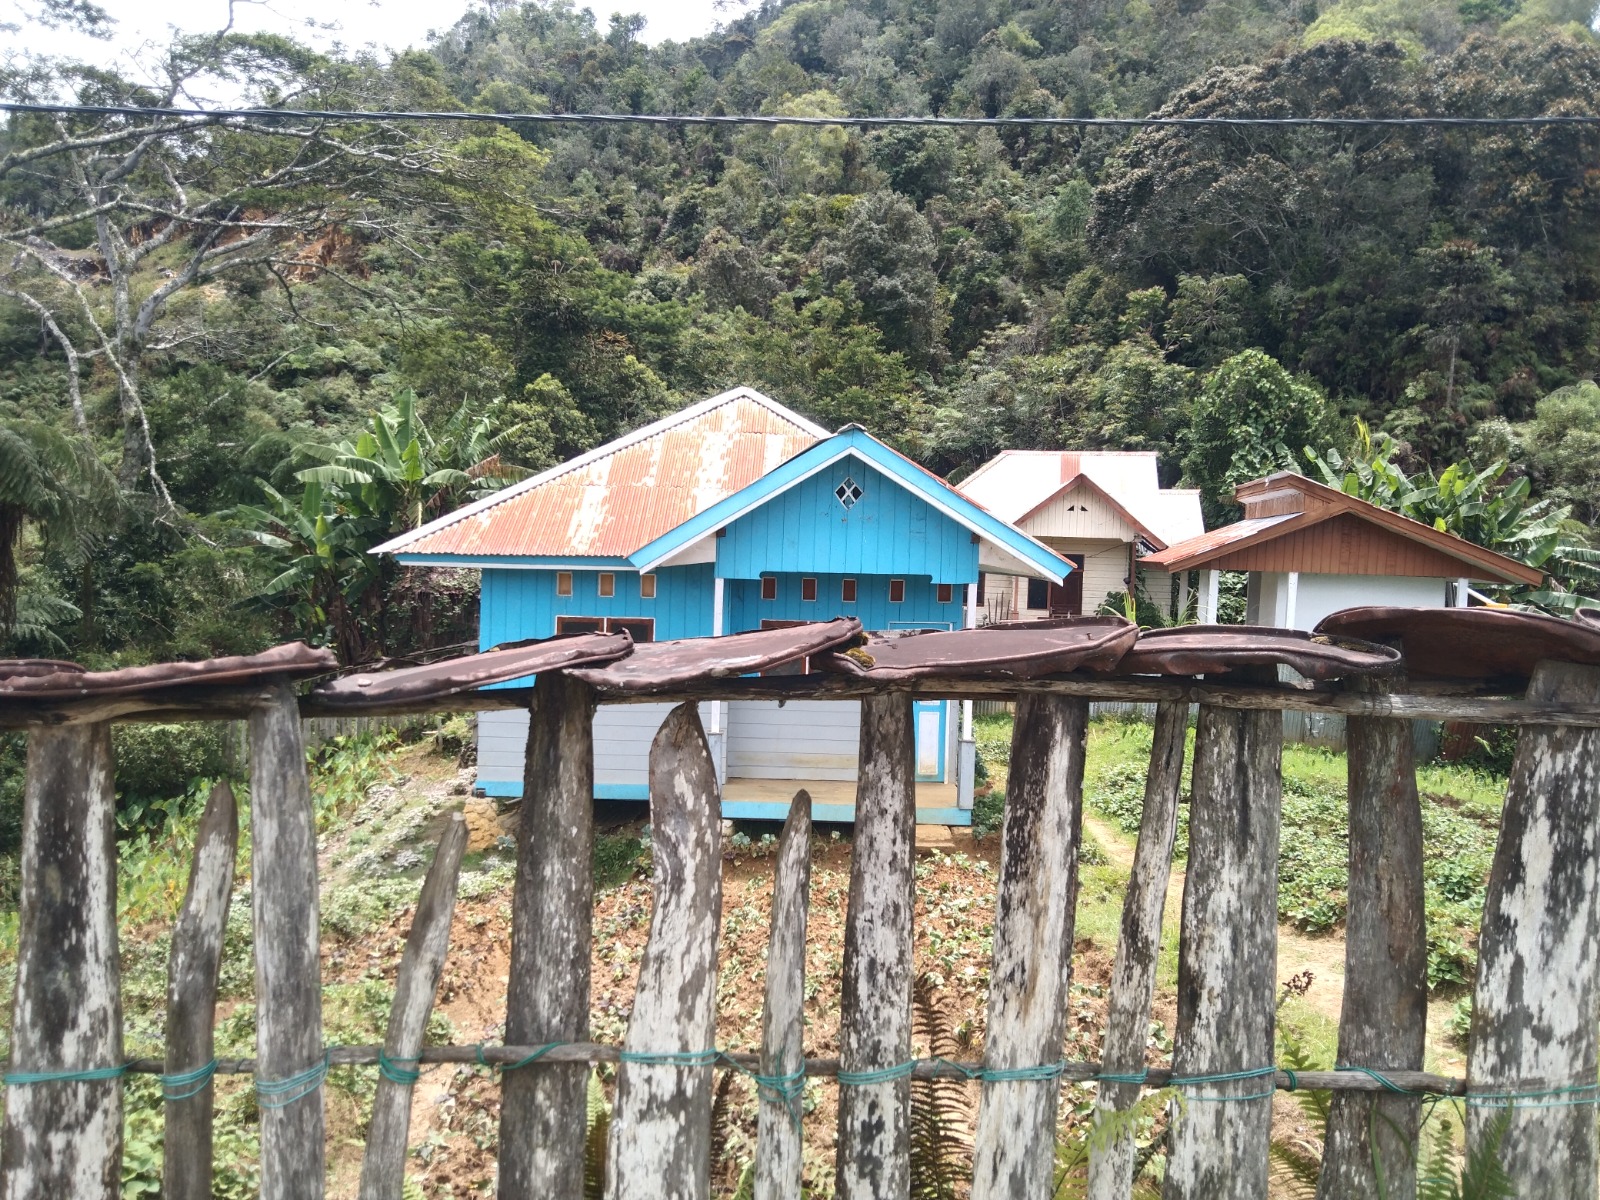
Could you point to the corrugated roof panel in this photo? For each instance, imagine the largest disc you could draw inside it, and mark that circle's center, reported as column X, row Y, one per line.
column 619, row 500
column 1216, row 539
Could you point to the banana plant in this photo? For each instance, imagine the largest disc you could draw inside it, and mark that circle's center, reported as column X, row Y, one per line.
column 399, row 472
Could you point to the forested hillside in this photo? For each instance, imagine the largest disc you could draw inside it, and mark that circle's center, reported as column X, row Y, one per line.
column 233, row 356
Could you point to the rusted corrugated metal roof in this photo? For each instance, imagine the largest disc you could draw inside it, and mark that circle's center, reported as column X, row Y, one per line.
column 1471, row 643
column 18, row 667
column 455, row 675
column 1024, row 650
column 1219, row 649
column 613, row 500
column 293, row 661
column 654, row 666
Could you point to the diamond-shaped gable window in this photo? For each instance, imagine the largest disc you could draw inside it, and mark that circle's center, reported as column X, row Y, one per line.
column 848, row 492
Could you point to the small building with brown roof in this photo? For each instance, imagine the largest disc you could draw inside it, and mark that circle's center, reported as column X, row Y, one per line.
column 1311, row 550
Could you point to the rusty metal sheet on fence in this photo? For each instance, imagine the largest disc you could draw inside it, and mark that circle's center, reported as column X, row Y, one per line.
column 1219, row 649
column 296, row 660
column 1018, row 650
column 452, row 675
column 1471, row 643
column 657, row 666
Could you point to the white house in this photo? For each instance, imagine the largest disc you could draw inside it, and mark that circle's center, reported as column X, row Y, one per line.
column 1102, row 510
column 1311, row 550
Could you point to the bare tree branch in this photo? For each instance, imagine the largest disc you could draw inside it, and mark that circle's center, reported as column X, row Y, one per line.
column 79, row 418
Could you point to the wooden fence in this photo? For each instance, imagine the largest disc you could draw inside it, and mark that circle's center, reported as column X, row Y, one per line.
column 1532, row 1059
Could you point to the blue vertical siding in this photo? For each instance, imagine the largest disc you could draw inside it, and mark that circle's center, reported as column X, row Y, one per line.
column 523, row 603
column 889, row 531
column 746, row 609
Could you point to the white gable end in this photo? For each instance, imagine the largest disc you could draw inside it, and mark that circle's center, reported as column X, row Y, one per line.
column 1080, row 513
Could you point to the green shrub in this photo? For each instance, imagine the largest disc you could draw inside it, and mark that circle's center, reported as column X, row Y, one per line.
column 1459, row 1024
column 616, row 857
column 988, row 813
column 157, row 764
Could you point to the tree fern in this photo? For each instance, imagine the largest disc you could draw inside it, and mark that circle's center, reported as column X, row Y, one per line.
column 56, row 483
column 1076, row 1143
column 1297, row 1162
column 1481, row 1177
column 594, row 1141
column 941, row 1109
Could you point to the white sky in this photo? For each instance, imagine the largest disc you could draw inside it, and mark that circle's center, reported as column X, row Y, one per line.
column 385, row 24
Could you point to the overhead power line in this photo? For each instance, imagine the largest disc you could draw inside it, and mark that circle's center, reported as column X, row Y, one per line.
column 216, row 115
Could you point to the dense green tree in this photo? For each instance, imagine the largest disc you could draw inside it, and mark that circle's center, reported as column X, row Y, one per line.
column 886, row 252
column 1561, row 448
column 1250, row 419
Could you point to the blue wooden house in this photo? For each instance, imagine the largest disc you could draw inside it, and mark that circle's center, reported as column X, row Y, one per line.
column 734, row 514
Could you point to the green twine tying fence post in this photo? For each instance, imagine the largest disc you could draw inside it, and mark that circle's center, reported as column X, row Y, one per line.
column 280, row 1093
column 91, row 1075
column 404, row 1071
column 538, row 1053
column 881, row 1075
column 1183, row 1081
column 788, row 1090
column 186, row 1085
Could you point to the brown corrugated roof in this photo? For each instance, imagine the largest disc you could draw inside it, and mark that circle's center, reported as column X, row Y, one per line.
column 613, row 500
column 1471, row 643
column 1219, row 649
column 295, row 660
column 1323, row 503
column 1024, row 650
column 454, row 675
column 653, row 666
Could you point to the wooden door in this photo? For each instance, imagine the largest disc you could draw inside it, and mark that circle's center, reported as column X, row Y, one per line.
column 1066, row 599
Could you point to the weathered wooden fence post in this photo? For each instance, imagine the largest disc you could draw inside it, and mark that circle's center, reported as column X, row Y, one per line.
column 1014, row 1152
column 64, row 1137
column 542, row 1112
column 661, row 1124
column 874, row 1148
column 1227, row 959
column 1133, row 974
column 290, row 1059
column 1534, row 1027
column 383, row 1168
column 193, row 969
column 1383, row 1021
column 778, row 1145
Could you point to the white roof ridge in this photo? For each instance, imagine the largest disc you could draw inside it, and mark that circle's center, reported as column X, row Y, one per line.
column 644, row 433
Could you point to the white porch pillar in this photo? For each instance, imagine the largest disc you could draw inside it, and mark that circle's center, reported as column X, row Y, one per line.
column 1463, row 593
column 1183, row 596
column 967, row 751
column 1207, row 614
column 716, row 733
column 1291, row 600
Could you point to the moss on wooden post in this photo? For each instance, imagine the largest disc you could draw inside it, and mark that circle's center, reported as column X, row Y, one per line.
column 1534, row 1021
column 64, row 1138
column 1014, row 1152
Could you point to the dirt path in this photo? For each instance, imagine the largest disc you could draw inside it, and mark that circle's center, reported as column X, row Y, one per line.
column 1322, row 956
